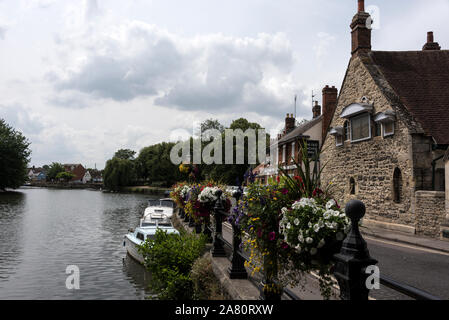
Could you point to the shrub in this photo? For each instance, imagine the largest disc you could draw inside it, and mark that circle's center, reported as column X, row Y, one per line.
column 169, row 258
column 205, row 284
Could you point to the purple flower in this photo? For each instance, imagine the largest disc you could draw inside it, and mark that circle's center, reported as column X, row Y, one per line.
column 284, row 191
column 284, row 245
column 272, row 236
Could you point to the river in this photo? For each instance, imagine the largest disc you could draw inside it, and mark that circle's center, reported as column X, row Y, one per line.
column 43, row 231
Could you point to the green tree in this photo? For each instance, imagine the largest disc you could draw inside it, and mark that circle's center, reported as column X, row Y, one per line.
column 53, row 171
column 211, row 124
column 66, row 176
column 154, row 165
column 119, row 173
column 232, row 173
column 14, row 157
column 125, row 154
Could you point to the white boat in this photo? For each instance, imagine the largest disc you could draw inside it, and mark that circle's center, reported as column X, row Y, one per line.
column 157, row 216
column 162, row 208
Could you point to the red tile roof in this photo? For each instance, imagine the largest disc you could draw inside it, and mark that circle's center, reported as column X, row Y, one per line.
column 421, row 81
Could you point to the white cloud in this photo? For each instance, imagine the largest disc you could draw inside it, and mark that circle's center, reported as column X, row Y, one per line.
column 205, row 72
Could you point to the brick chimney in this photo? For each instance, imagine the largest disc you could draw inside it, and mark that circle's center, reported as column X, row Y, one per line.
column 431, row 45
column 316, row 110
column 361, row 30
column 289, row 123
column 329, row 105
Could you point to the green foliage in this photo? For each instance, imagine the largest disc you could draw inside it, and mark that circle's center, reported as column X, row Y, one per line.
column 154, row 164
column 205, row 284
column 53, row 170
column 212, row 124
column 119, row 173
column 169, row 258
column 14, row 157
column 66, row 176
column 231, row 174
column 125, row 154
column 307, row 181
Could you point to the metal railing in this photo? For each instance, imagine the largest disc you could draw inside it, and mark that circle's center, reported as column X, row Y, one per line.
column 350, row 263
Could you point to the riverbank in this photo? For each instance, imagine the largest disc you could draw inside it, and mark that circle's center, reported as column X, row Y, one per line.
column 146, row 190
column 77, row 186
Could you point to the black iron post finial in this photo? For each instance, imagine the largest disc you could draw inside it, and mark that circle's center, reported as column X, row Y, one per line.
column 218, row 249
column 353, row 258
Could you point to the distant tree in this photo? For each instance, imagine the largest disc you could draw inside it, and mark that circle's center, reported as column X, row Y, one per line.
column 46, row 167
column 154, row 165
column 14, row 157
column 211, row 124
column 233, row 173
column 53, row 170
column 66, row 176
column 119, row 173
column 125, row 154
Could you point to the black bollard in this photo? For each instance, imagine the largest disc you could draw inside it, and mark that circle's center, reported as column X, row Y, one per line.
column 218, row 249
column 237, row 269
column 353, row 258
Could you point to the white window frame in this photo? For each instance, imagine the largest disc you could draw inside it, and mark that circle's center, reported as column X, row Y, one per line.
column 349, row 133
column 293, row 150
column 369, row 127
column 387, row 134
column 336, row 140
column 284, row 151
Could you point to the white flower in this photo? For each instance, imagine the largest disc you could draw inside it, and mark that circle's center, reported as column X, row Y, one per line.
column 334, row 225
column 335, row 213
column 342, row 215
column 289, row 225
column 313, row 251
column 316, row 228
column 304, row 202
column 298, row 248
column 296, row 222
column 301, row 238
column 321, row 243
column 327, row 215
column 310, row 224
column 284, row 210
column 340, row 236
column 309, row 240
column 330, row 204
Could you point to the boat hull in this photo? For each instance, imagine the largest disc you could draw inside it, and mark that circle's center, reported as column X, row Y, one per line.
column 132, row 249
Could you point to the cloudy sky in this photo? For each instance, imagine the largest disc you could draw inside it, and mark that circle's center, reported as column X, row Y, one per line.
column 82, row 79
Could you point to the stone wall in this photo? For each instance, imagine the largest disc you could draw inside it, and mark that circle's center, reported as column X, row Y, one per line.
column 430, row 212
column 371, row 163
column 447, row 185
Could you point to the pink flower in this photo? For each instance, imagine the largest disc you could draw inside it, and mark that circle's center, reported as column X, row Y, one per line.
column 284, row 245
column 272, row 236
column 284, row 191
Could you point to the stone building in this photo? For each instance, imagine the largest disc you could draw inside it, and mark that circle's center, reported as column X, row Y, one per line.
column 389, row 133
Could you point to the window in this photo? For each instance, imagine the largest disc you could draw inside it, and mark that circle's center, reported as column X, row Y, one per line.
column 388, row 128
column 361, row 128
column 352, row 186
column 339, row 140
column 140, row 236
column 284, row 151
column 293, row 150
column 347, row 131
column 397, row 185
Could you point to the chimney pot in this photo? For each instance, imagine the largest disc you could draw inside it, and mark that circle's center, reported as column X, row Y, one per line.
column 361, row 5
column 431, row 44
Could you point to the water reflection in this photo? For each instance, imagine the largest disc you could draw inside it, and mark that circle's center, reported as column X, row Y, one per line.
column 11, row 235
column 43, row 231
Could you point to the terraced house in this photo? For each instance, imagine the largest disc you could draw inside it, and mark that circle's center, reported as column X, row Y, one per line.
column 389, row 133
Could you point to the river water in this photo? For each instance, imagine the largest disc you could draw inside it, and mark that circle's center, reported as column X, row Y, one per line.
column 43, row 231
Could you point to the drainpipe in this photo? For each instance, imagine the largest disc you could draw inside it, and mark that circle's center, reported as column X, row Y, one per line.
column 434, row 163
